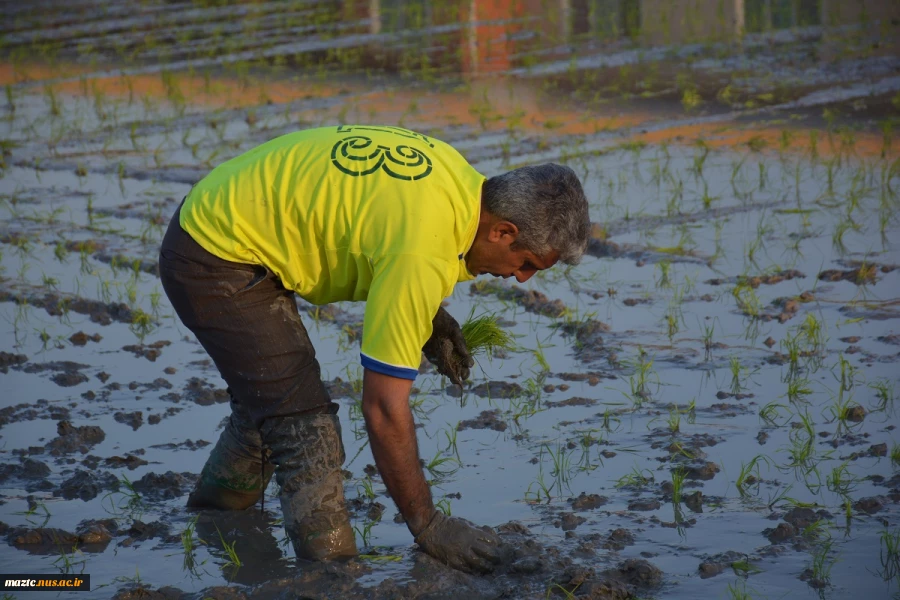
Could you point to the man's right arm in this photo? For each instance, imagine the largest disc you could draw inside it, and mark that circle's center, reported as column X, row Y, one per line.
column 392, row 436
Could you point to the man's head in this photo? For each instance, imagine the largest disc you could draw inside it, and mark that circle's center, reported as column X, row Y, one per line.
column 531, row 218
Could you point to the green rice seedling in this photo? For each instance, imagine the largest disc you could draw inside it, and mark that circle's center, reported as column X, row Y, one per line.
column 890, row 554
column 738, row 590
column 837, row 238
column 750, row 473
column 673, row 422
column 895, row 455
column 738, row 373
column 610, row 422
column 706, row 198
column 37, row 513
column 124, row 501
column 365, row 489
column 841, row 482
column 771, row 414
column 744, row 568
column 441, row 467
column 52, row 101
column 637, row 478
column 542, row 489
column 568, row 594
column 141, row 324
column 443, row 505
column 746, row 299
column 233, row 560
column 679, row 474
column 798, row 389
column 10, row 99
column 848, row 374
column 663, row 280
column 822, row 563
column 67, row 562
column 641, row 378
column 842, row 409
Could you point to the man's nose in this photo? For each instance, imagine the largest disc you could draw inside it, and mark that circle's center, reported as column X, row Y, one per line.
column 522, row 277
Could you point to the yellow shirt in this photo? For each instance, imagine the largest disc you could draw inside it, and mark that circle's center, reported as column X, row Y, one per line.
column 381, row 214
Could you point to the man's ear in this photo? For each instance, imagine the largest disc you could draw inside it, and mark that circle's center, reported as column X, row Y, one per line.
column 504, row 231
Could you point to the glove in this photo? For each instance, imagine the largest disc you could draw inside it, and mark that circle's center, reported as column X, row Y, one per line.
column 446, row 348
column 461, row 545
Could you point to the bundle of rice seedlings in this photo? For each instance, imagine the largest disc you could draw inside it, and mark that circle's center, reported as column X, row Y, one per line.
column 483, row 335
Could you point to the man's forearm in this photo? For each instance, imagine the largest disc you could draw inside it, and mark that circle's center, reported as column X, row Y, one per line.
column 392, row 436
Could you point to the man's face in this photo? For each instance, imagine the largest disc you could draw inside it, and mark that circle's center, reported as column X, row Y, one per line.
column 493, row 253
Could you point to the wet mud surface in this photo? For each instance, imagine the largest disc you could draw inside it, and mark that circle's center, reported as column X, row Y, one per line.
column 705, row 407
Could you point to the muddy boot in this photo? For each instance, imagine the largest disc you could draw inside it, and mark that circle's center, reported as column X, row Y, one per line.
column 308, row 453
column 235, row 476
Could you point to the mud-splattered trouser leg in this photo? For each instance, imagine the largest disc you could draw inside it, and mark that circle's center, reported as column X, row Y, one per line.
column 248, row 324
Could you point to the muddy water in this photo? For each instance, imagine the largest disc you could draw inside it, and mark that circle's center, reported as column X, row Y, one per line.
column 705, row 407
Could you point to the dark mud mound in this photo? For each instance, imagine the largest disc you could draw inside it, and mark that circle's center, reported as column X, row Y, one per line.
column 9, row 359
column 525, row 575
column 74, row 439
column 530, row 300
column 166, row 486
column 86, row 485
column 66, row 373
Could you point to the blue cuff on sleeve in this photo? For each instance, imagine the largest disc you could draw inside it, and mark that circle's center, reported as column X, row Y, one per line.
column 386, row 369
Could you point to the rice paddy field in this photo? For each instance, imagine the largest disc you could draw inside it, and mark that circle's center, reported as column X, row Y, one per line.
column 705, row 407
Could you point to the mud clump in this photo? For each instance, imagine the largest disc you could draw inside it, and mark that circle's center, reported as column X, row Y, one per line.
column 569, row 521
column 80, row 338
column 86, row 485
column 801, row 518
column 58, row 305
column 140, row 531
column 574, row 401
column 862, row 275
column 129, row 461
column 588, row 501
column 8, row 359
column 703, row 472
column 530, row 300
column 642, row 505
column 168, row 592
column 200, row 392
column 67, row 373
column 133, row 419
column 96, row 532
column 717, row 564
column 870, row 505
column 694, row 501
column 488, row 419
column 497, row 389
column 586, row 333
column 41, row 540
column 149, row 351
column 780, row 533
column 166, row 486
column 74, row 439
column 31, row 473
column 618, row 539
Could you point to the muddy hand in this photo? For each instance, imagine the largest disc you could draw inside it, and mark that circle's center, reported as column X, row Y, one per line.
column 447, row 350
column 460, row 544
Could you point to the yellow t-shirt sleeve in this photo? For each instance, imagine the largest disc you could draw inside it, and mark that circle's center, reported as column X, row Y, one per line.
column 406, row 292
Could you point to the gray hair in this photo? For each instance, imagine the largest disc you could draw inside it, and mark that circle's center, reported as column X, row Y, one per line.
column 547, row 204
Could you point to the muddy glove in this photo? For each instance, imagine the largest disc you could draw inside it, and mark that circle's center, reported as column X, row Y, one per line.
column 460, row 544
column 446, row 348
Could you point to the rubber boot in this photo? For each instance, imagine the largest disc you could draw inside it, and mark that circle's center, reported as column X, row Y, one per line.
column 236, row 474
column 308, row 453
